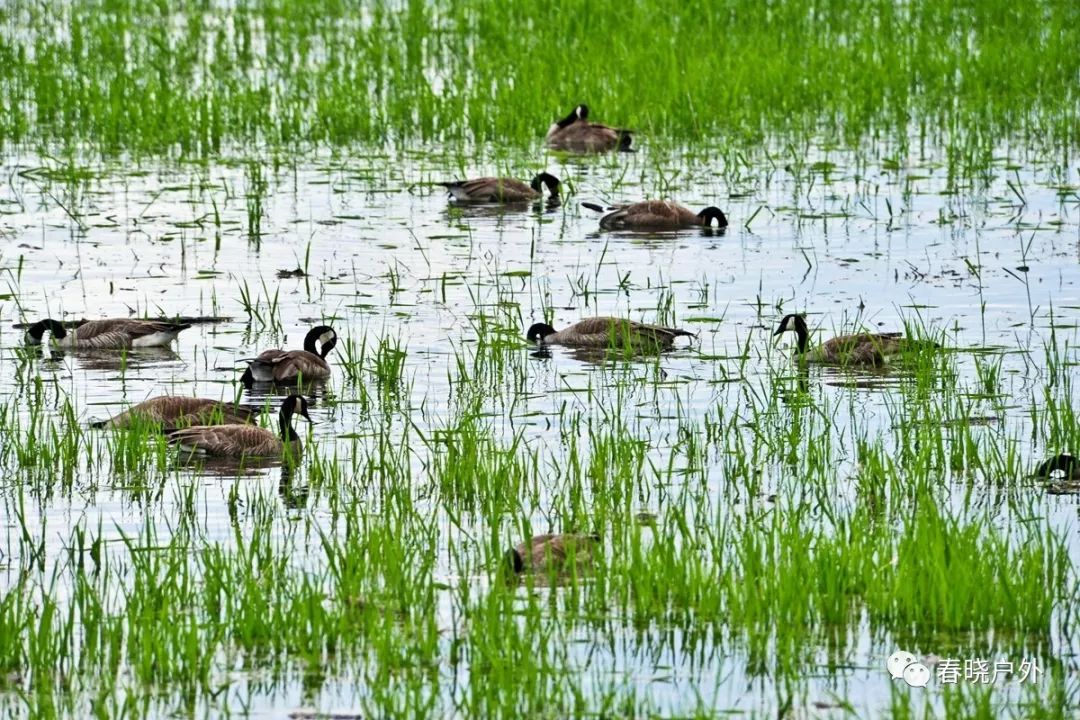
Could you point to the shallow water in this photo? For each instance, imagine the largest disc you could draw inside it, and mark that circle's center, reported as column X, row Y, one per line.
column 987, row 262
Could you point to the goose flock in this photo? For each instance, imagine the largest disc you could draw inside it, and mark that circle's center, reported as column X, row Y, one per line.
column 199, row 426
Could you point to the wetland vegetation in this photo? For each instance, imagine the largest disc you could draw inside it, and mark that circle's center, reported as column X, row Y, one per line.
column 770, row 532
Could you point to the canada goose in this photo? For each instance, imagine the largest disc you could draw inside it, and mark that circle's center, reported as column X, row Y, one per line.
column 857, row 349
column 284, row 366
column 574, row 133
column 174, row 411
column 111, row 333
column 607, row 332
column 658, row 215
column 552, row 554
column 245, row 440
column 502, row 190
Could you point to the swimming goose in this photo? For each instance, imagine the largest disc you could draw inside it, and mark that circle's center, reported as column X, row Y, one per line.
column 607, row 332
column 658, row 215
column 574, row 133
column 174, row 411
column 857, row 349
column 552, row 554
column 108, row 334
column 285, row 366
column 245, row 440
column 502, row 190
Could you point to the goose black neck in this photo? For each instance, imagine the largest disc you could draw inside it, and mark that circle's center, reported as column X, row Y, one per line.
column 548, row 180
column 288, row 433
column 37, row 330
column 803, row 336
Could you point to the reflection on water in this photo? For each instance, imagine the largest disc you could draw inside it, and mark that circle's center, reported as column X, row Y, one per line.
column 119, row 360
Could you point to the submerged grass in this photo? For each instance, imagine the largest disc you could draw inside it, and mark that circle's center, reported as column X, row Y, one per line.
column 199, row 77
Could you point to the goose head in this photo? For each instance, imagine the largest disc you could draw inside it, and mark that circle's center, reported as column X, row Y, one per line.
column 35, row 332
column 292, row 405
column 324, row 336
column 792, row 323
column 538, row 331
column 549, row 180
column 713, row 213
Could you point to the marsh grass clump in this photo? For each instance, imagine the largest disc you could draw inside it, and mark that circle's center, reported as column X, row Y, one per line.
column 206, row 78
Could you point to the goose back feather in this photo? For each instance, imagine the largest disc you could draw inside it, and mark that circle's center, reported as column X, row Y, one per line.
column 502, row 190
column 661, row 215
column 553, row 554
column 174, row 411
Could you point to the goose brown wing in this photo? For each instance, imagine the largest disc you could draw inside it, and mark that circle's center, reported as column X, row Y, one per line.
column 105, row 333
column 271, row 356
column 659, row 333
column 862, row 348
column 615, row 332
column 228, row 440
column 650, row 214
column 178, row 411
column 585, row 136
column 553, row 551
column 890, row 340
column 120, row 332
column 653, row 208
column 590, row 332
column 595, row 325
column 493, row 188
column 292, row 364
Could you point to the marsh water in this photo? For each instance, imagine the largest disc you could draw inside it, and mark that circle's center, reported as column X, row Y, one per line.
column 432, row 300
